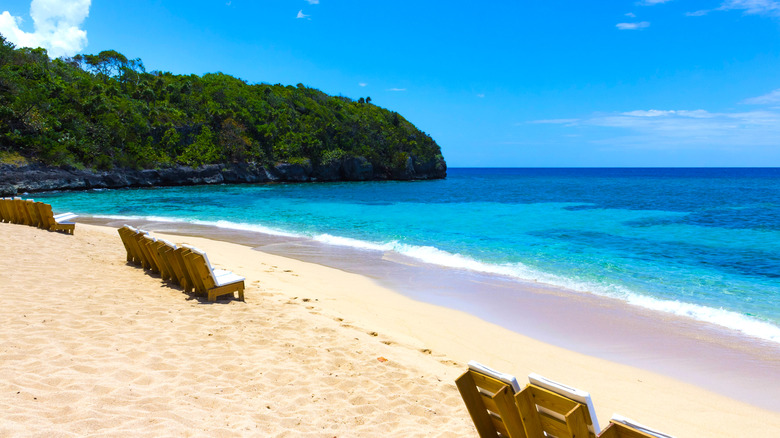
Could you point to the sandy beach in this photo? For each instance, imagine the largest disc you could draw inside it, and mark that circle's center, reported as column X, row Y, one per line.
column 92, row 346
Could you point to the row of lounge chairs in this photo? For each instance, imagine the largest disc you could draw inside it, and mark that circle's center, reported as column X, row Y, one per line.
column 36, row 214
column 184, row 265
column 544, row 408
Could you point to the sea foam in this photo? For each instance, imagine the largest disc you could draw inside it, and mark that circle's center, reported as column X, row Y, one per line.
column 427, row 254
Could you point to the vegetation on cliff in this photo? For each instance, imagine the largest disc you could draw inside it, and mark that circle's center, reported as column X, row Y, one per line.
column 105, row 111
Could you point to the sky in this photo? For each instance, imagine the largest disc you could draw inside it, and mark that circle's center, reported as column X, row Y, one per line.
column 669, row 83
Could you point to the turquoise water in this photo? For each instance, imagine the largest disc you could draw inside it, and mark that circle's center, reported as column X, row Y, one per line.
column 698, row 242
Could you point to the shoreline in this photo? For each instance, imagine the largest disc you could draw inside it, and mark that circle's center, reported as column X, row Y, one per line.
column 697, row 352
column 95, row 345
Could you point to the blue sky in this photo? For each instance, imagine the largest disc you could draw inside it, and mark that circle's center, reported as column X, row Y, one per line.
column 502, row 83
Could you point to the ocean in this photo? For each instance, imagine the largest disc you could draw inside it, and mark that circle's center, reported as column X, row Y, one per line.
column 701, row 243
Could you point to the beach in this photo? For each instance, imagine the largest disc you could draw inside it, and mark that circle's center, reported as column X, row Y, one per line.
column 93, row 346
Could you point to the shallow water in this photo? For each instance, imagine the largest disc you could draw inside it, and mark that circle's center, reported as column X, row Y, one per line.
column 703, row 243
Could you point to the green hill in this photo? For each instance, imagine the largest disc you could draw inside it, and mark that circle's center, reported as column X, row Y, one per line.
column 102, row 112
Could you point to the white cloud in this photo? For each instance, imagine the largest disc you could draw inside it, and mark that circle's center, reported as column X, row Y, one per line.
column 362, row 84
column 700, row 13
column 770, row 98
column 313, row 2
column 631, row 14
column 481, row 95
column 302, row 15
column 56, row 26
column 554, row 121
column 396, row 89
column 654, row 2
column 632, row 26
column 759, row 7
column 661, row 129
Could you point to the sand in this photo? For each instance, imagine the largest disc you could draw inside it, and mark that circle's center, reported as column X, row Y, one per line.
column 92, row 346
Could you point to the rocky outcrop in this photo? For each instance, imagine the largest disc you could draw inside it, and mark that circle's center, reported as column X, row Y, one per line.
column 35, row 178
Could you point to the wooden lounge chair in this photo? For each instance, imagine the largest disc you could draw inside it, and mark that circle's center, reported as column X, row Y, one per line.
column 622, row 427
column 208, row 281
column 549, row 408
column 143, row 251
column 165, row 251
column 146, row 242
column 5, row 211
column 166, row 271
column 544, row 408
column 35, row 215
column 127, row 233
column 61, row 222
column 179, row 264
column 489, row 398
column 22, row 215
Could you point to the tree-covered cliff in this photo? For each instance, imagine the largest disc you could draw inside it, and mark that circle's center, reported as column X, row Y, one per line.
column 105, row 111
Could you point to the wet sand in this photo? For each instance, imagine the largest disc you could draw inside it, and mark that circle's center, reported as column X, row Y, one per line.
column 701, row 353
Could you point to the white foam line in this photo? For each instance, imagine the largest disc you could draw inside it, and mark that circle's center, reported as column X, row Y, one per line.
column 218, row 224
column 428, row 254
column 722, row 317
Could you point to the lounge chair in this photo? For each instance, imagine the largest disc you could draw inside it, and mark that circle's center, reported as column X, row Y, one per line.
column 489, row 397
column 544, row 408
column 5, row 211
column 155, row 245
column 179, row 264
column 147, row 242
column 22, row 215
column 165, row 250
column 35, row 215
column 208, row 281
column 126, row 233
column 549, row 408
column 60, row 222
column 622, row 427
column 143, row 251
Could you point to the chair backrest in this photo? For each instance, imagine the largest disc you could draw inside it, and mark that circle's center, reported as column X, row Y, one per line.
column 22, row 213
column 45, row 214
column 143, row 252
column 146, row 242
column 175, row 271
column 186, row 281
column 166, row 272
column 622, row 427
column 575, row 394
column 35, row 216
column 200, row 271
column 5, row 213
column 490, row 402
column 207, row 264
column 549, row 408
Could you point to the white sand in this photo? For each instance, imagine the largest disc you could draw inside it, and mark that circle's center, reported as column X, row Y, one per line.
column 91, row 346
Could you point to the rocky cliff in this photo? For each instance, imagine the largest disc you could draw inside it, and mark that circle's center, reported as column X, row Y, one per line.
column 37, row 178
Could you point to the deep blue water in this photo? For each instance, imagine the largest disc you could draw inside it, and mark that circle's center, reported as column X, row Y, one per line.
column 698, row 242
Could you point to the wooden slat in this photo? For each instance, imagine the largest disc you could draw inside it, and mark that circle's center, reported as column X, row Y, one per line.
column 498, row 423
column 528, row 413
column 474, row 404
column 179, row 253
column 505, row 402
column 618, row 430
column 489, row 403
column 554, row 426
column 576, row 423
column 488, row 383
column 552, row 401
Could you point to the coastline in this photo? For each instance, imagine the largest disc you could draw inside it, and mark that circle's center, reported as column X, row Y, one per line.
column 106, row 346
column 697, row 352
column 704, row 354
